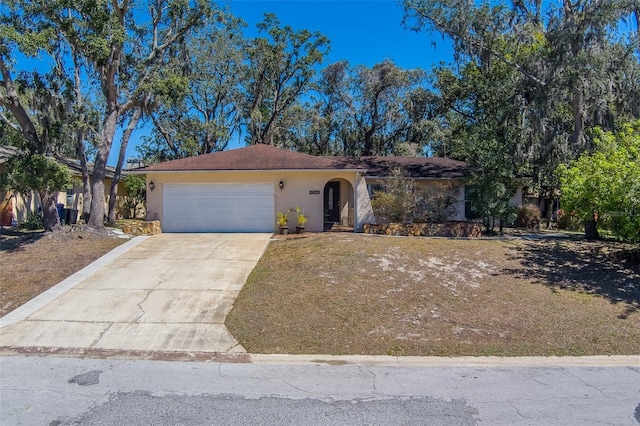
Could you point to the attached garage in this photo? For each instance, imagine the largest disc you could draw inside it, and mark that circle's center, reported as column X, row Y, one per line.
column 218, row 207
column 242, row 190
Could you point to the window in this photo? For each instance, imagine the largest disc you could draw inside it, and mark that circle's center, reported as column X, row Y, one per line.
column 372, row 188
column 70, row 198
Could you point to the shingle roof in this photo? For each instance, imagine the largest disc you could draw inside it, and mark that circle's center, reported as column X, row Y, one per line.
column 7, row 151
column 415, row 167
column 254, row 157
column 76, row 168
column 266, row 157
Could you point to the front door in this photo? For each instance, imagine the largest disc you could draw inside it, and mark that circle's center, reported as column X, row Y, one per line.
column 332, row 202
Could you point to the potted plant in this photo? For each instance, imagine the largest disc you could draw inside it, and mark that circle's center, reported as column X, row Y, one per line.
column 302, row 219
column 283, row 219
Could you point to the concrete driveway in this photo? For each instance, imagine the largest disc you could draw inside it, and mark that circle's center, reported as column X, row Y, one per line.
column 166, row 293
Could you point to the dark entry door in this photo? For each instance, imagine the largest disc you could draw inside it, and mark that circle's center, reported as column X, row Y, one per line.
column 332, row 202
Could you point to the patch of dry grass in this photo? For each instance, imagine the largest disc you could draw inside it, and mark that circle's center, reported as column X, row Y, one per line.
column 32, row 262
column 360, row 294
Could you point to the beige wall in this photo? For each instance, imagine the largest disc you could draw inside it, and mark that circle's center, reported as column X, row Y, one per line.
column 296, row 191
column 77, row 199
column 516, row 200
column 23, row 204
column 364, row 209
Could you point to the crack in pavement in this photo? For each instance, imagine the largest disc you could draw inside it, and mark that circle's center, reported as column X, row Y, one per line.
column 97, row 339
column 586, row 383
column 139, row 305
column 373, row 379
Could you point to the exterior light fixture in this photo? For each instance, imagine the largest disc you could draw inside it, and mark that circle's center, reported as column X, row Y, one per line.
column 152, row 185
column 281, row 184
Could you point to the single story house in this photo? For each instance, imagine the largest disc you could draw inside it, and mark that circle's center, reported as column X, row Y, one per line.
column 242, row 190
column 15, row 207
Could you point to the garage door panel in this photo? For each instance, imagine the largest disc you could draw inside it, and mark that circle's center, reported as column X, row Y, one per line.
column 218, row 208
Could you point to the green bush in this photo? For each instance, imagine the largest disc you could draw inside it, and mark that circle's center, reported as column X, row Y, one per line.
column 435, row 203
column 603, row 187
column 132, row 205
column 33, row 222
column 568, row 221
column 389, row 207
column 405, row 201
column 528, row 216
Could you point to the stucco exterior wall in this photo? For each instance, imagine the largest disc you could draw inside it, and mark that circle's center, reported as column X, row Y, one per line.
column 516, row 200
column 304, row 189
column 23, row 204
column 364, row 209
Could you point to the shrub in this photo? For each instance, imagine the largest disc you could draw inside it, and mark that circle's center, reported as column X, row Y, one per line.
column 33, row 222
column 388, row 207
column 569, row 221
column 435, row 203
column 131, row 206
column 404, row 201
column 528, row 216
column 396, row 203
column 490, row 198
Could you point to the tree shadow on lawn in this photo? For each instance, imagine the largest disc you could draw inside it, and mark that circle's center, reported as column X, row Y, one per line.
column 12, row 239
column 580, row 265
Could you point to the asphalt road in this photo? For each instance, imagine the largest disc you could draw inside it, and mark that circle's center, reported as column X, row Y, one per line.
column 71, row 391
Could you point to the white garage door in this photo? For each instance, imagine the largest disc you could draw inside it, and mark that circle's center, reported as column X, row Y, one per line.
column 242, row 207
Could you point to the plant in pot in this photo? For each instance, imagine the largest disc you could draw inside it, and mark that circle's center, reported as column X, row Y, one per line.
column 282, row 221
column 302, row 219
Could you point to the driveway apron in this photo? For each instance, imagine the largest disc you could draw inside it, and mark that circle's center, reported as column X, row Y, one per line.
column 170, row 292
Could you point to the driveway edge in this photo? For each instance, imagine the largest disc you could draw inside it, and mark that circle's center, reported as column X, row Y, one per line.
column 24, row 311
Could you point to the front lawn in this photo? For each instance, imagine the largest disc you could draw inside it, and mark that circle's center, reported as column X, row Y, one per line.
column 33, row 261
column 361, row 294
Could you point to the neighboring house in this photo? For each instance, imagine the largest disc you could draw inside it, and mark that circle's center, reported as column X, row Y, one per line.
column 241, row 190
column 15, row 207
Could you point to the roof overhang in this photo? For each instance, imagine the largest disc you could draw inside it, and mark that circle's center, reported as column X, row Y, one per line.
column 145, row 172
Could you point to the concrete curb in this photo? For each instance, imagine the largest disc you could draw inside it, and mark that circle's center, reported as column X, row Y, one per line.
column 597, row 361
column 24, row 311
column 469, row 361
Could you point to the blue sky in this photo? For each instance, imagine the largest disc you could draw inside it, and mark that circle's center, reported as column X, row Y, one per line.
column 363, row 32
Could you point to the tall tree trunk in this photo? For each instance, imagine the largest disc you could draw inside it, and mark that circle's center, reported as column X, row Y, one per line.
column 577, row 106
column 96, row 219
column 50, row 218
column 86, row 181
column 133, row 123
column 591, row 229
column 37, row 144
column 549, row 209
column 367, row 148
column 80, row 134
